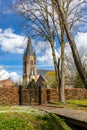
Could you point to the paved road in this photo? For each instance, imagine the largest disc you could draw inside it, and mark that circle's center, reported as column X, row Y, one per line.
column 78, row 117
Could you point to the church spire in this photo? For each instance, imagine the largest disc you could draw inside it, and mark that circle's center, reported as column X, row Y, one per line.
column 29, row 64
column 29, row 49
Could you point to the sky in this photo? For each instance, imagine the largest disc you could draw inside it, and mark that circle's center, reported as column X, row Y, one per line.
column 13, row 43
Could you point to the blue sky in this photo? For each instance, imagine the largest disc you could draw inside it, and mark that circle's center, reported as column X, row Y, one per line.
column 10, row 20
column 13, row 43
column 11, row 50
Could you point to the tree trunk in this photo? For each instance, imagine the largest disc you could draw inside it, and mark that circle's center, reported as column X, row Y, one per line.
column 59, row 79
column 62, row 87
column 62, row 73
column 75, row 53
column 55, row 65
column 54, row 60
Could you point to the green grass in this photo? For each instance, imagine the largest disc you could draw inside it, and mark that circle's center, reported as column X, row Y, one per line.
column 78, row 102
column 75, row 104
column 27, row 118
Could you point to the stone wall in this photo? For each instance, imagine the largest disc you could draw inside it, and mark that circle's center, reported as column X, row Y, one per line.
column 9, row 96
column 75, row 93
column 51, row 95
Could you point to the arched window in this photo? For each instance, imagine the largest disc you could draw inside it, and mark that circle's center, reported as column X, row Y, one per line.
column 32, row 71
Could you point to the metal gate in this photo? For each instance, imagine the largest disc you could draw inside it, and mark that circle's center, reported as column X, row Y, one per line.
column 30, row 96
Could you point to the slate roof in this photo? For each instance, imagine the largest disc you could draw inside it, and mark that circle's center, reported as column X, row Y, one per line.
column 29, row 49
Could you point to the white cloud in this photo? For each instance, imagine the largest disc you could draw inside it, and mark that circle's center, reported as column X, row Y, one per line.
column 47, row 58
column 81, row 40
column 5, row 75
column 41, row 46
column 0, row 30
column 44, row 53
column 14, row 76
column 11, row 42
column 81, row 43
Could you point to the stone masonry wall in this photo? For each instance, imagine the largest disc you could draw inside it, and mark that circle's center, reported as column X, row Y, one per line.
column 9, row 96
column 51, row 95
column 75, row 93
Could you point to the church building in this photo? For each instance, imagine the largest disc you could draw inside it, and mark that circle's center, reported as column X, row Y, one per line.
column 31, row 72
column 29, row 64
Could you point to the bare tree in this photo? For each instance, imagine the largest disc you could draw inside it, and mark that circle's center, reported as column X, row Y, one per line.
column 69, row 62
column 42, row 21
column 75, row 53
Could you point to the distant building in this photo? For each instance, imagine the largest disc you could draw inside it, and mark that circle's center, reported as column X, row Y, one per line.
column 29, row 64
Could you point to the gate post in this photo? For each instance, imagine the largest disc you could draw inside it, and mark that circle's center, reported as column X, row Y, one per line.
column 20, row 95
column 39, row 95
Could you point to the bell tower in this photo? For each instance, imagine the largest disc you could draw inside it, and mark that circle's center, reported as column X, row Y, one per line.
column 29, row 64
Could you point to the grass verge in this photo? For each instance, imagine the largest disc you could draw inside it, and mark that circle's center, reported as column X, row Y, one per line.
column 27, row 118
column 75, row 104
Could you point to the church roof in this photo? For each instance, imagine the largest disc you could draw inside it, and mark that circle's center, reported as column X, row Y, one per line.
column 29, row 49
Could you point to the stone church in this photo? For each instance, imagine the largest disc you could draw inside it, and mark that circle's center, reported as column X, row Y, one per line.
column 29, row 64
column 30, row 70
